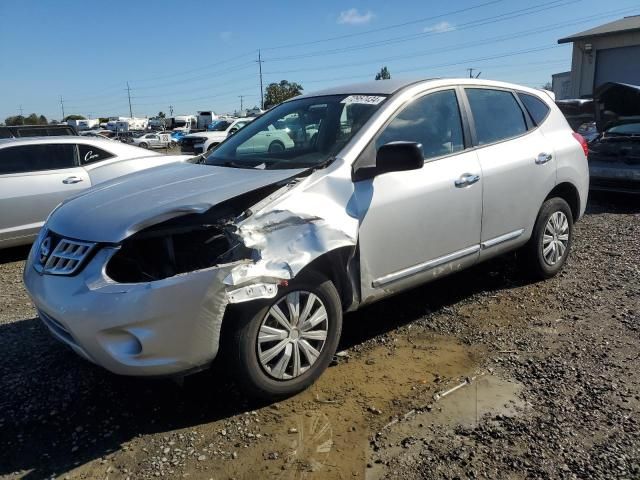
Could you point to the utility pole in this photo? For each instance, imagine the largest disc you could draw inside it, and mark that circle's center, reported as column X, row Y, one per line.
column 261, row 90
column 470, row 70
column 129, row 95
column 241, row 104
column 62, row 107
column 21, row 115
column 170, row 110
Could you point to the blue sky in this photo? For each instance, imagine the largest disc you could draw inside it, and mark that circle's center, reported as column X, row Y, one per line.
column 199, row 55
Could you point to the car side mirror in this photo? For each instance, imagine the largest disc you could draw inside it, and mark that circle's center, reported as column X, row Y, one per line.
column 393, row 157
column 232, row 131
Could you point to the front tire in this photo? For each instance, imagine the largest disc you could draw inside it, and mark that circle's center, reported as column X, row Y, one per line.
column 281, row 346
column 276, row 147
column 143, row 145
column 550, row 243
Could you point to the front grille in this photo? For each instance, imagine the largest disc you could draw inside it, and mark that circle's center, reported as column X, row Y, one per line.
column 67, row 256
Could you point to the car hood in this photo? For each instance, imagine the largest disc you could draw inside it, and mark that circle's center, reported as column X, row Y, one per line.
column 114, row 210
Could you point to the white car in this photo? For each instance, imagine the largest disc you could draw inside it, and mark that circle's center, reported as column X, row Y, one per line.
column 37, row 173
column 271, row 140
column 202, row 142
column 153, row 140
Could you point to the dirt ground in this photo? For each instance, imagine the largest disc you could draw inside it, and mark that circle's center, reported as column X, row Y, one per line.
column 480, row 375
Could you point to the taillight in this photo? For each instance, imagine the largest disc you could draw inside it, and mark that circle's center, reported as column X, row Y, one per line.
column 582, row 142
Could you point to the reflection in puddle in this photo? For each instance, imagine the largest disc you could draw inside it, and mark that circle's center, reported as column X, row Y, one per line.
column 324, row 432
column 309, row 448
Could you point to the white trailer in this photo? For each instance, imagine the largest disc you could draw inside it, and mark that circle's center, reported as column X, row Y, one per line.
column 131, row 124
column 205, row 118
column 85, row 124
column 182, row 122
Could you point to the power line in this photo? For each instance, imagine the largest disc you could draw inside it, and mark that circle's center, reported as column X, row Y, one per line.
column 389, row 27
column 404, row 38
column 449, row 48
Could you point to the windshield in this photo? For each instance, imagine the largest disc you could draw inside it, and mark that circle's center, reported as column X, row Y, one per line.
column 625, row 129
column 219, row 126
column 297, row 134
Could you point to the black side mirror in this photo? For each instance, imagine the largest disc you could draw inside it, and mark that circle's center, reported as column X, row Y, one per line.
column 393, row 157
column 232, row 131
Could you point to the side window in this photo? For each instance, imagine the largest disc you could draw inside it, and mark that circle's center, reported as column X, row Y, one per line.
column 433, row 121
column 31, row 158
column 496, row 115
column 91, row 154
column 536, row 107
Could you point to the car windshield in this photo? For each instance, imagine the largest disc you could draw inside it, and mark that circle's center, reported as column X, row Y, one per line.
column 625, row 129
column 296, row 134
column 219, row 126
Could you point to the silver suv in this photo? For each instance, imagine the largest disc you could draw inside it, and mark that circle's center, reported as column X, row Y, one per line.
column 255, row 256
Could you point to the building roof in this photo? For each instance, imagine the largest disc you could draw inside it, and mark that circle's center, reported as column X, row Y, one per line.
column 626, row 24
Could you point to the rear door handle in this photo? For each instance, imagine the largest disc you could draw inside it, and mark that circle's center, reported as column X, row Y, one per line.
column 466, row 180
column 71, row 180
column 543, row 158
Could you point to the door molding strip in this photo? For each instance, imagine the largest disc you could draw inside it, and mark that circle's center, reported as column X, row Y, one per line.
column 421, row 267
column 501, row 239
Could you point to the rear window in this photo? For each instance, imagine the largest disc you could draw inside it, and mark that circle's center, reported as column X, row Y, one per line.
column 496, row 115
column 91, row 154
column 536, row 107
column 31, row 158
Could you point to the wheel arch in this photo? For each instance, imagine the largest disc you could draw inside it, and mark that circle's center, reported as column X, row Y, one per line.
column 341, row 267
column 569, row 193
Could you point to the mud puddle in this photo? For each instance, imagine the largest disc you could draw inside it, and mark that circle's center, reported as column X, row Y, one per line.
column 463, row 404
column 324, row 433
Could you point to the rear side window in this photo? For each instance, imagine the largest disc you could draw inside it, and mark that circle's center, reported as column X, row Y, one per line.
column 31, row 158
column 433, row 121
column 496, row 115
column 90, row 154
column 536, row 107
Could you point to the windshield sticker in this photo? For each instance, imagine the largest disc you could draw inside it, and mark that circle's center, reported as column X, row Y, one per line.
column 363, row 99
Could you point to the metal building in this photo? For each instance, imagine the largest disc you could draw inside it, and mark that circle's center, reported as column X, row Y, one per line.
column 608, row 53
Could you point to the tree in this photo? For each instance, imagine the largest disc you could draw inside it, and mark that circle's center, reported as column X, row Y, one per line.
column 161, row 115
column 547, row 86
column 103, row 119
column 14, row 120
column 383, row 74
column 73, row 117
column 279, row 92
column 32, row 119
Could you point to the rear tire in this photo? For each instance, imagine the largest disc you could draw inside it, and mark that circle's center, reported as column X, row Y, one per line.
column 546, row 252
column 276, row 147
column 257, row 333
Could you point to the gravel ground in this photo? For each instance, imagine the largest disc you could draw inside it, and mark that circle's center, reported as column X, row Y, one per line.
column 563, row 403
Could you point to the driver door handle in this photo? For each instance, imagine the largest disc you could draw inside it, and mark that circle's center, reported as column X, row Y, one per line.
column 71, row 180
column 466, row 179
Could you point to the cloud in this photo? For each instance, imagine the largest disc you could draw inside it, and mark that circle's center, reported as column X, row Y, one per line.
column 439, row 28
column 354, row 17
column 225, row 36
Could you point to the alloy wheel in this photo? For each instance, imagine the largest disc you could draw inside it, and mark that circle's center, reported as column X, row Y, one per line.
column 292, row 335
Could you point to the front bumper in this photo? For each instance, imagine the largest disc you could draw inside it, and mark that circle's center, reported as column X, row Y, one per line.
column 164, row 327
column 614, row 177
column 196, row 149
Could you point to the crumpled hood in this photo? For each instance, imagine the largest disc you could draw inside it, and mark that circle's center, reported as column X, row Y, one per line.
column 114, row 210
